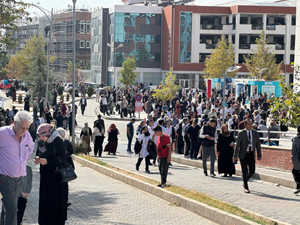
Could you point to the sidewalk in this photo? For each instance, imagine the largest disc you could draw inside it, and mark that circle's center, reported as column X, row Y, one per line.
column 266, row 198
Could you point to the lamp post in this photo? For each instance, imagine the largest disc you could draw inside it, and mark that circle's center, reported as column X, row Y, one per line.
column 114, row 49
column 73, row 78
column 229, row 70
column 260, row 71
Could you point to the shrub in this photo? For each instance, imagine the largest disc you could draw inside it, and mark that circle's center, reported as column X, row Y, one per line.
column 61, row 97
column 70, row 91
column 68, row 97
column 79, row 148
column 20, row 99
column 60, row 90
column 90, row 91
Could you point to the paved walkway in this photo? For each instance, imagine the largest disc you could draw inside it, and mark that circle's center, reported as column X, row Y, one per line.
column 98, row 199
column 266, row 198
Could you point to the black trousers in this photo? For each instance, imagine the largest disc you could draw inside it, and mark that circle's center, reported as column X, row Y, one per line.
column 21, row 209
column 187, row 145
column 180, row 144
column 82, row 109
column 163, row 169
column 105, row 110
column 296, row 175
column 147, row 159
column 98, row 146
column 248, row 168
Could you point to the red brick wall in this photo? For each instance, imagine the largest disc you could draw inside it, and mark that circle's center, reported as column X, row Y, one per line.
column 276, row 158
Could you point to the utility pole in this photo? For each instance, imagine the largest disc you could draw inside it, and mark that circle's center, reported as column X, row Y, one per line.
column 73, row 79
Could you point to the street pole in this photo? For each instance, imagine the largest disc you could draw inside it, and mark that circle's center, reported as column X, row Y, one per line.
column 260, row 72
column 73, row 78
column 223, row 100
column 48, row 59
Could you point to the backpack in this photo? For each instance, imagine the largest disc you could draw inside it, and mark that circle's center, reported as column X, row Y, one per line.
column 137, row 146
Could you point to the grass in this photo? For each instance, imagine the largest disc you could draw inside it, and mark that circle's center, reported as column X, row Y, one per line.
column 198, row 196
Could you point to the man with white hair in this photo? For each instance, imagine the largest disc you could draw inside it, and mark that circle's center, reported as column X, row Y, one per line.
column 16, row 146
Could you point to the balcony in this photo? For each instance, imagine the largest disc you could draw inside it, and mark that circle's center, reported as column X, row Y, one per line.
column 244, row 46
column 257, row 27
column 211, row 27
column 276, row 27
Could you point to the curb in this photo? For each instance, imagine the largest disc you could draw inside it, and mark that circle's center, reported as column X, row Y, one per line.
column 213, row 214
column 259, row 176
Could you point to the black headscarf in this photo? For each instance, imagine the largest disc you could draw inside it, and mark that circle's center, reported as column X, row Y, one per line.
column 298, row 130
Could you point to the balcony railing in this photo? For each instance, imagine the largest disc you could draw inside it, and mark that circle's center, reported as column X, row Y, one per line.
column 257, row 27
column 211, row 46
column 211, row 27
column 244, row 46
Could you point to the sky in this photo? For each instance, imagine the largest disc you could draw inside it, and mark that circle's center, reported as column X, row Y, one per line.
column 62, row 4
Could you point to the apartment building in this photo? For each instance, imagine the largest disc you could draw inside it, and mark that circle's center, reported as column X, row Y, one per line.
column 191, row 32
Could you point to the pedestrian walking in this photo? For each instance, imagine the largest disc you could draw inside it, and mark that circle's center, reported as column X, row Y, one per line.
column 83, row 104
column 85, row 135
column 98, row 137
column 26, row 189
column 248, row 141
column 209, row 135
column 16, row 146
column 225, row 152
column 35, row 105
column 53, row 194
column 26, row 103
column 296, row 160
column 164, row 154
column 97, row 94
column 144, row 139
column 130, row 134
column 112, row 144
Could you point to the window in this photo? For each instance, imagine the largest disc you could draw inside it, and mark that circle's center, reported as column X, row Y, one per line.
column 82, row 44
column 88, row 44
column 88, row 27
column 82, row 27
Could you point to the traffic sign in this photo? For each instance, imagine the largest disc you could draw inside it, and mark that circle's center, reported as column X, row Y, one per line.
column 138, row 97
column 138, row 106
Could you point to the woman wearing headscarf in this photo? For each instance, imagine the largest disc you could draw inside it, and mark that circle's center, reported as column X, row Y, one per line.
column 112, row 144
column 139, row 128
column 225, row 152
column 51, row 153
column 85, row 135
column 144, row 138
column 98, row 136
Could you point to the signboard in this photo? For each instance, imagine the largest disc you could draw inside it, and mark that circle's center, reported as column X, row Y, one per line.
column 138, row 97
column 138, row 106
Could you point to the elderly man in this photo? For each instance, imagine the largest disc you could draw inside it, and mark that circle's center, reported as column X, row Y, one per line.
column 16, row 146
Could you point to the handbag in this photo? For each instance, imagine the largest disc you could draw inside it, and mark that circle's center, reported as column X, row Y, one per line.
column 137, row 146
column 66, row 174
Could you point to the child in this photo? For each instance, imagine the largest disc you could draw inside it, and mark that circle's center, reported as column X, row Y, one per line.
column 164, row 154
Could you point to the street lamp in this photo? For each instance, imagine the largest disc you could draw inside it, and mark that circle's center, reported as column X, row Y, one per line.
column 114, row 49
column 260, row 71
column 73, row 78
column 229, row 70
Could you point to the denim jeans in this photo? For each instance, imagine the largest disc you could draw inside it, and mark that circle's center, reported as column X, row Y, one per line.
column 129, row 142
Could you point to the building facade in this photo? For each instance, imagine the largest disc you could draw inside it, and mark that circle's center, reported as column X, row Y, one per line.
column 191, row 32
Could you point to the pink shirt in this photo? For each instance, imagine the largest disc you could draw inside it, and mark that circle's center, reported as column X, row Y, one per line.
column 14, row 154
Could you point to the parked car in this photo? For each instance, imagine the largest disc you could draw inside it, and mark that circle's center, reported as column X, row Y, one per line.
column 68, row 86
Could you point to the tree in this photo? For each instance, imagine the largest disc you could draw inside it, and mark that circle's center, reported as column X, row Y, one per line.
column 10, row 11
column 127, row 75
column 220, row 59
column 263, row 57
column 290, row 103
column 118, row 59
column 142, row 56
column 167, row 89
column 79, row 77
column 19, row 65
column 38, row 71
column 4, row 60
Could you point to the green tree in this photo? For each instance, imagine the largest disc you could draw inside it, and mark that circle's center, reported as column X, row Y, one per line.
column 142, row 56
column 263, row 57
column 291, row 104
column 118, row 59
column 220, row 59
column 38, row 71
column 168, row 88
column 127, row 75
column 10, row 11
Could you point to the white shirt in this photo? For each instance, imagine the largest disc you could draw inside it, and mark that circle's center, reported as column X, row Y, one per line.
column 199, row 110
column 231, row 110
column 168, row 131
column 250, row 144
column 97, row 91
column 230, row 123
column 83, row 101
column 104, row 101
column 143, row 152
column 42, row 120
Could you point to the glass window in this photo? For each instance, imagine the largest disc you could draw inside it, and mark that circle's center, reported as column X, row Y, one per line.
column 82, row 27
column 185, row 37
column 88, row 44
column 88, row 27
column 82, row 44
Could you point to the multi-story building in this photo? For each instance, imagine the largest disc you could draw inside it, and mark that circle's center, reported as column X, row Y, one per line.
column 132, row 31
column 191, row 32
column 62, row 39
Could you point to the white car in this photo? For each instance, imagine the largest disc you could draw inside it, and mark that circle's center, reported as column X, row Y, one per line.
column 68, row 86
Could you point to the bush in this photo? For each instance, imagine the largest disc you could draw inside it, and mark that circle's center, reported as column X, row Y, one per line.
column 68, row 97
column 70, row 91
column 61, row 97
column 79, row 148
column 20, row 99
column 60, row 90
column 90, row 91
